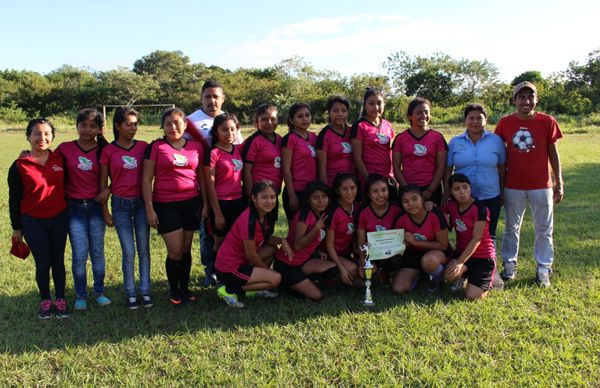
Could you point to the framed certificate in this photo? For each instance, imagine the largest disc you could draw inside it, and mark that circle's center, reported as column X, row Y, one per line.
column 386, row 243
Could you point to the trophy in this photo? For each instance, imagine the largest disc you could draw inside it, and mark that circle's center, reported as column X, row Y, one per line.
column 368, row 267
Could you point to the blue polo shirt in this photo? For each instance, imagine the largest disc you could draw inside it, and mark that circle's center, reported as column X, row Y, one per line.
column 479, row 162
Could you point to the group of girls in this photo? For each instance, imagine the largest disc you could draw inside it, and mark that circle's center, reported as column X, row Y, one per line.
column 173, row 182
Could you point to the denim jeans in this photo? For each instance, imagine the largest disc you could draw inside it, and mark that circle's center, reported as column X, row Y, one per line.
column 47, row 238
column 129, row 217
column 542, row 206
column 86, row 233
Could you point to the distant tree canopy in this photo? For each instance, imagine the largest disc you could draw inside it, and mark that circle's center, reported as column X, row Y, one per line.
column 170, row 77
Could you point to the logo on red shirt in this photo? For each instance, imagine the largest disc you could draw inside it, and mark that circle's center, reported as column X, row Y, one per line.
column 180, row 160
column 460, row 226
column 420, row 150
column 129, row 162
column 237, row 164
column 277, row 162
column 523, row 140
column 383, row 139
column 84, row 164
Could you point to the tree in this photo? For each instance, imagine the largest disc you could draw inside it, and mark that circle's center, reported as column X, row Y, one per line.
column 123, row 86
column 586, row 78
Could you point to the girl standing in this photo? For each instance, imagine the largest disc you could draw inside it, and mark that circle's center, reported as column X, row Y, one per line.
column 419, row 153
column 87, row 205
column 334, row 150
column 247, row 252
column 172, row 184
column 298, row 158
column 37, row 212
column 122, row 160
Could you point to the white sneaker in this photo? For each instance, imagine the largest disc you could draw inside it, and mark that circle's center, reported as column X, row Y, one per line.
column 542, row 277
column 458, row 285
column 510, row 270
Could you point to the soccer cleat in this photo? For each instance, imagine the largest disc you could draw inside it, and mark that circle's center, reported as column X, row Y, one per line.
column 265, row 294
column 60, row 308
column 80, row 305
column 45, row 311
column 132, row 303
column 458, row 285
column 209, row 281
column 435, row 282
column 230, row 299
column 188, row 296
column 510, row 270
column 103, row 300
column 147, row 301
column 175, row 298
column 542, row 277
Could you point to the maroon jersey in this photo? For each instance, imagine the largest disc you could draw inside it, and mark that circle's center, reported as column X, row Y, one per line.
column 434, row 222
column 371, row 222
column 308, row 217
column 339, row 152
column 463, row 224
column 265, row 157
column 304, row 158
column 228, row 168
column 419, row 155
column 82, row 170
column 376, row 142
column 341, row 223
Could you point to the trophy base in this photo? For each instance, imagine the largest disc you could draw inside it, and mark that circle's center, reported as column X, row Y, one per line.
column 368, row 303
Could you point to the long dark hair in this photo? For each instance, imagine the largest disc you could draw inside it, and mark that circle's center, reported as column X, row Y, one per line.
column 96, row 117
column 220, row 119
column 295, row 108
column 120, row 116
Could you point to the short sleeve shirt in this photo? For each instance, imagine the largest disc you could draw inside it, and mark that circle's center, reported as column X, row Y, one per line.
column 125, row 167
column 463, row 224
column 341, row 223
column 434, row 222
column 308, row 217
column 339, row 152
column 82, row 178
column 304, row 158
column 369, row 221
column 228, row 168
column 376, row 145
column 265, row 157
column 419, row 155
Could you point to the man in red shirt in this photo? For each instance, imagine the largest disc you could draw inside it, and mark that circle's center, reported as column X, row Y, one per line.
column 530, row 139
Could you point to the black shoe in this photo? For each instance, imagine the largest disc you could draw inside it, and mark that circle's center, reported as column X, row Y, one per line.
column 132, row 303
column 175, row 298
column 147, row 301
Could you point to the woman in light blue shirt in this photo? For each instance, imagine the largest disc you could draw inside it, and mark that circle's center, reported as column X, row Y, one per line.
column 481, row 156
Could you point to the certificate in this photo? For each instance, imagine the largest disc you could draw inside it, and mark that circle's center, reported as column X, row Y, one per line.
column 386, row 243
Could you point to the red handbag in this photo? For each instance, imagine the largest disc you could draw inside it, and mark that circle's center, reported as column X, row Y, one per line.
column 19, row 249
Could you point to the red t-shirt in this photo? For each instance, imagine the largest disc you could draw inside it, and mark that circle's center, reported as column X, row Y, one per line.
column 308, row 216
column 83, row 173
column 527, row 150
column 371, row 222
column 341, row 223
column 125, row 167
column 434, row 222
column 376, row 142
column 228, row 172
column 304, row 158
column 232, row 255
column 265, row 157
column 419, row 155
column 338, row 150
column 175, row 174
column 463, row 224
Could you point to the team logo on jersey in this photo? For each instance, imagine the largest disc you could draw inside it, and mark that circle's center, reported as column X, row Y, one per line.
column 382, row 138
column 346, row 148
column 84, row 164
column 523, row 140
column 57, row 168
column 460, row 226
column 129, row 162
column 322, row 234
column 180, row 160
column 237, row 164
column 277, row 162
column 379, row 228
column 313, row 152
column 419, row 237
column 420, row 150
column 350, row 229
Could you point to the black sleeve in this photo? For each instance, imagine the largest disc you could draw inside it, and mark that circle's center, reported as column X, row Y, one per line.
column 321, row 137
column 354, row 130
column 15, row 194
column 246, row 147
column 149, row 150
column 284, row 141
column 440, row 215
column 481, row 211
column 207, row 157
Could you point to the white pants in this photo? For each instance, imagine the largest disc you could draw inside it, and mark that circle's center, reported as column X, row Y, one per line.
column 541, row 204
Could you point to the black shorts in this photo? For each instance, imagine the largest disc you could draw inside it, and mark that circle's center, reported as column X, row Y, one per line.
column 480, row 272
column 410, row 259
column 234, row 281
column 231, row 210
column 178, row 214
column 290, row 274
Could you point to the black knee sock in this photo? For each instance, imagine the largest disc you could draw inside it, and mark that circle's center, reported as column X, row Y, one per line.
column 184, row 271
column 172, row 268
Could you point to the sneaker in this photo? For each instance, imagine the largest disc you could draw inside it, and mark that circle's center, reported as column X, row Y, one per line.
column 147, row 301
column 60, row 309
column 498, row 284
column 542, row 277
column 45, row 311
column 103, row 300
column 458, row 285
column 435, row 283
column 265, row 294
column 80, row 305
column 209, row 281
column 188, row 296
column 132, row 303
column 510, row 271
column 230, row 299
column 175, row 298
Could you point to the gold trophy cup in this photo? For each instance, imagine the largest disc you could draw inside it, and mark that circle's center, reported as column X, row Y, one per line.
column 368, row 267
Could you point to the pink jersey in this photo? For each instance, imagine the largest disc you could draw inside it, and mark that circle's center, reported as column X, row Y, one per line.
column 175, row 174
column 376, row 142
column 232, row 255
column 419, row 155
column 463, row 224
column 434, row 222
column 341, row 223
column 304, row 158
column 371, row 222
column 307, row 216
column 82, row 178
column 265, row 157
column 125, row 167
column 228, row 168
column 339, row 152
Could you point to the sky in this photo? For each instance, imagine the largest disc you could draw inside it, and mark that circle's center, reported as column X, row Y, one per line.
column 351, row 36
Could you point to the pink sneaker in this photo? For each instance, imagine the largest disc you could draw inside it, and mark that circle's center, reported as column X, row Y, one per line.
column 45, row 311
column 60, row 308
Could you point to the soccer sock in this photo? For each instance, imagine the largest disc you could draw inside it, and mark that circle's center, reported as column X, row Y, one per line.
column 184, row 271
column 171, row 267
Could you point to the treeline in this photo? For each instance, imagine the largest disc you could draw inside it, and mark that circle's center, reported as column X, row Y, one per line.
column 170, row 77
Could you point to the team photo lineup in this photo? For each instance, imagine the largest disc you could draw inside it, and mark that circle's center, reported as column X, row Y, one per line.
column 336, row 187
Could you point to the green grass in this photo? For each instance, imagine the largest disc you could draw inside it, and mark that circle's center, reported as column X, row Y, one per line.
column 519, row 337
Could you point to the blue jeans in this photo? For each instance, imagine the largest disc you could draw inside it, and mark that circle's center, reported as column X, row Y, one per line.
column 47, row 238
column 129, row 217
column 86, row 233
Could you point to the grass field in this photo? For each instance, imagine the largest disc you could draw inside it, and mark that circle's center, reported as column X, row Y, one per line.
column 522, row 336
